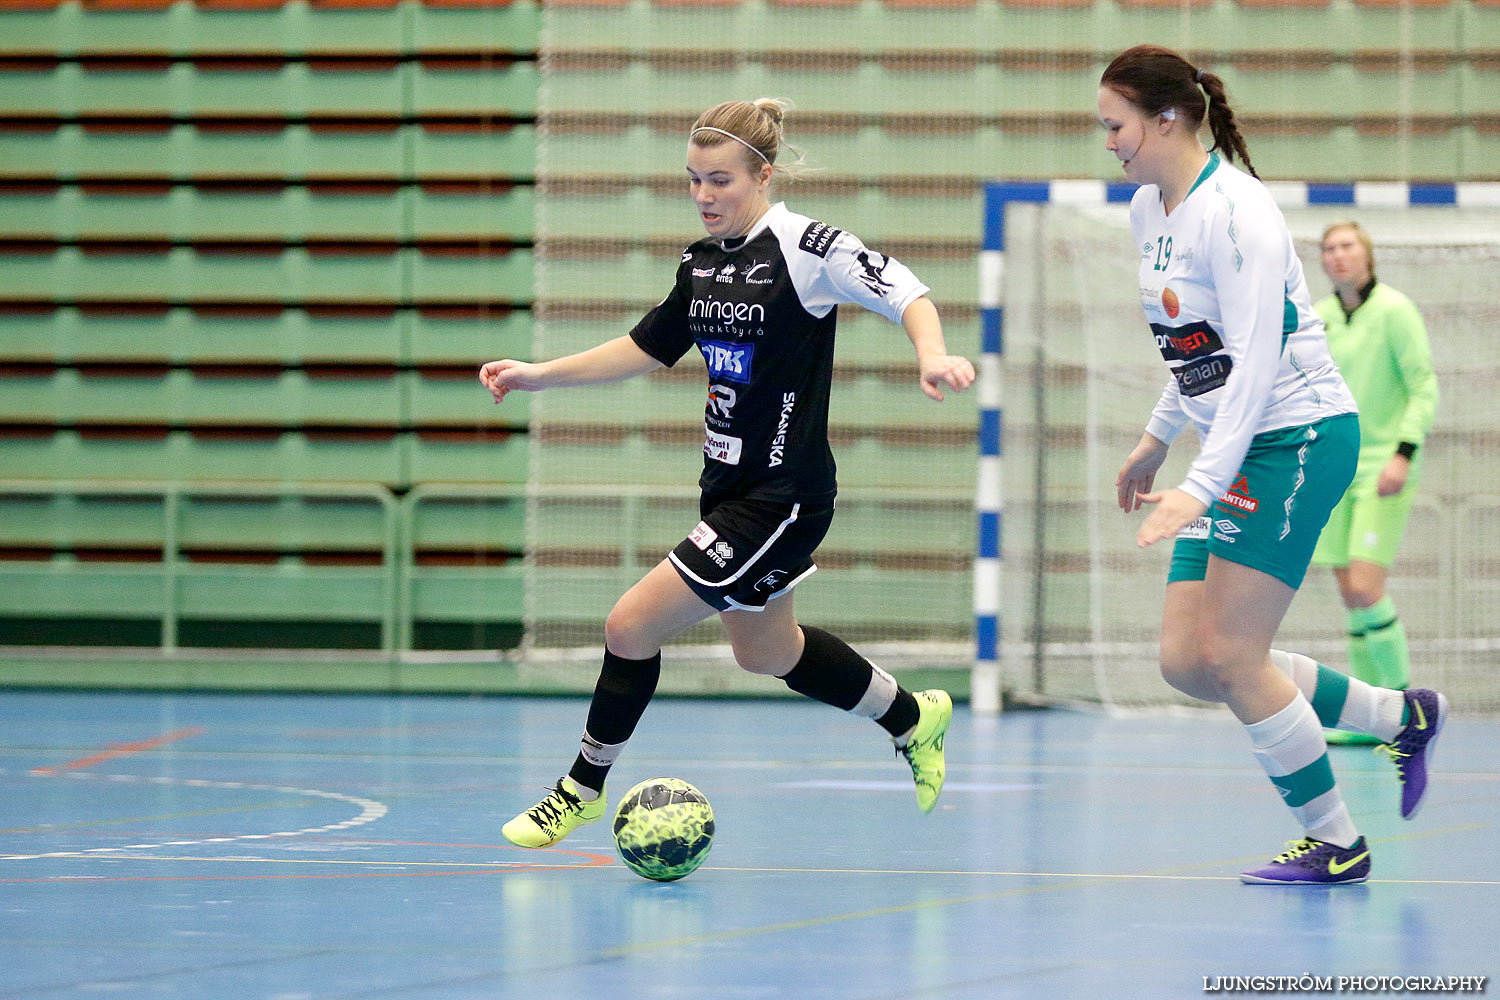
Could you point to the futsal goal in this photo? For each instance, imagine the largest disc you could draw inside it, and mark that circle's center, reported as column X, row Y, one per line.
column 1075, row 613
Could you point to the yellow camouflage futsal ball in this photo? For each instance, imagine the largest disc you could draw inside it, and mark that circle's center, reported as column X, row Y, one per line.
column 663, row 829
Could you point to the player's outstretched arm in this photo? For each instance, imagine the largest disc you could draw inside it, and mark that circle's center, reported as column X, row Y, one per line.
column 612, row 361
column 936, row 367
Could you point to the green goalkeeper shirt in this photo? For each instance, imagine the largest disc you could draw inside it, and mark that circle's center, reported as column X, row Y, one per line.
column 1381, row 348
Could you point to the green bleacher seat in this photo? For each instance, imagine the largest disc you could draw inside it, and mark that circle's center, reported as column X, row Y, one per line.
column 183, row 274
column 500, row 150
column 464, row 456
column 471, row 336
column 892, row 399
column 1479, row 89
column 184, row 212
column 454, row 398
column 1479, row 146
column 137, row 521
column 475, row 596
column 484, row 87
column 589, row 455
column 468, row 524
column 261, row 397
column 468, row 277
column 513, row 27
column 294, row 152
column 180, row 335
column 495, row 210
column 183, row 455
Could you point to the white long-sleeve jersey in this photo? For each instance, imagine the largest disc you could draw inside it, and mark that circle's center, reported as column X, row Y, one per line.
column 1226, row 298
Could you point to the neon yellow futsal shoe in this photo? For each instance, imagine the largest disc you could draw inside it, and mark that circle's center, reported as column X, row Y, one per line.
column 924, row 752
column 553, row 818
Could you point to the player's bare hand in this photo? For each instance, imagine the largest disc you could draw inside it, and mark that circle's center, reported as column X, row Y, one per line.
column 1393, row 476
column 1174, row 511
column 1138, row 474
column 500, row 377
column 945, row 369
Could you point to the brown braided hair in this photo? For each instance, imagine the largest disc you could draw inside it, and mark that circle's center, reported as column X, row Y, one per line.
column 1154, row 79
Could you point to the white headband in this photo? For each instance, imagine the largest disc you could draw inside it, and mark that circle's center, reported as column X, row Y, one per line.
column 742, row 142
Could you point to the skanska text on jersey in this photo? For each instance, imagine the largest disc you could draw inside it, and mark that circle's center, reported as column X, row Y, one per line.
column 778, row 443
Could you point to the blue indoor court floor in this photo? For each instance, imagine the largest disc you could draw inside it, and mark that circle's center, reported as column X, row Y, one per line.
column 287, row 847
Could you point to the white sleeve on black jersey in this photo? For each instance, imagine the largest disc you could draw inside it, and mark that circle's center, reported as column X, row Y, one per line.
column 830, row 267
column 869, row 278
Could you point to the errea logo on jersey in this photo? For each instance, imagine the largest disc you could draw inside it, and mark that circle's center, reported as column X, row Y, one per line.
column 730, row 362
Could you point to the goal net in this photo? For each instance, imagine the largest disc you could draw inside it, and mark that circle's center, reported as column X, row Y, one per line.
column 1082, row 605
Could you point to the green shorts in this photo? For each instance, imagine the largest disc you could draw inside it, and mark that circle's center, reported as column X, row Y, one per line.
column 1272, row 514
column 1365, row 527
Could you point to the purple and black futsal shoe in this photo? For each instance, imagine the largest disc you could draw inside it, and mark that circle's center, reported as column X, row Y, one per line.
column 1313, row 862
column 1411, row 750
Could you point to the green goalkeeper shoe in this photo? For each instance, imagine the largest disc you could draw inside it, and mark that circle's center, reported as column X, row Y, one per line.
column 1343, row 738
column 553, row 818
column 924, row 751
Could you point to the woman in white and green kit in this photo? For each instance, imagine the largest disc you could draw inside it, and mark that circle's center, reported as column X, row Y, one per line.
column 1379, row 342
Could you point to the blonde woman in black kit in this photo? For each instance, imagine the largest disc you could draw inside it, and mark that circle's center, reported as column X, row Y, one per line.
column 757, row 299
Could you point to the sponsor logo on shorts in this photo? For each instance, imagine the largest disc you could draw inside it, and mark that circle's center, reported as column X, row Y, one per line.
column 1239, row 496
column 722, row 447
column 771, row 580
column 1225, row 530
column 702, row 536
column 721, row 553
column 818, row 238
column 1198, row 527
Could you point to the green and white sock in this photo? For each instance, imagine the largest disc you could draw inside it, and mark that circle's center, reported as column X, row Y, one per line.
column 1341, row 701
column 1290, row 747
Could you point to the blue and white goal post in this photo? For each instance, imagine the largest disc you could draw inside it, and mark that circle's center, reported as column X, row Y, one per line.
column 986, row 681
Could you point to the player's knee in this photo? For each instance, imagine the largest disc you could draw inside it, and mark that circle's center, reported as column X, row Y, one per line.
column 1362, row 594
column 626, row 636
column 1201, row 668
column 1182, row 673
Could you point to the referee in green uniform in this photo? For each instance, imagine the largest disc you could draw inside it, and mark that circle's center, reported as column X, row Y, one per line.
column 1378, row 339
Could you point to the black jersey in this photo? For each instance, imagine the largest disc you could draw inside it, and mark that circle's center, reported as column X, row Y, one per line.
column 761, row 311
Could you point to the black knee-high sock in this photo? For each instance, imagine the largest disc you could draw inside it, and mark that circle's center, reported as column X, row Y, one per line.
column 621, row 695
column 836, row 675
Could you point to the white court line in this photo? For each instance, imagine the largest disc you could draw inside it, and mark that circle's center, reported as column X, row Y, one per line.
column 369, row 812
